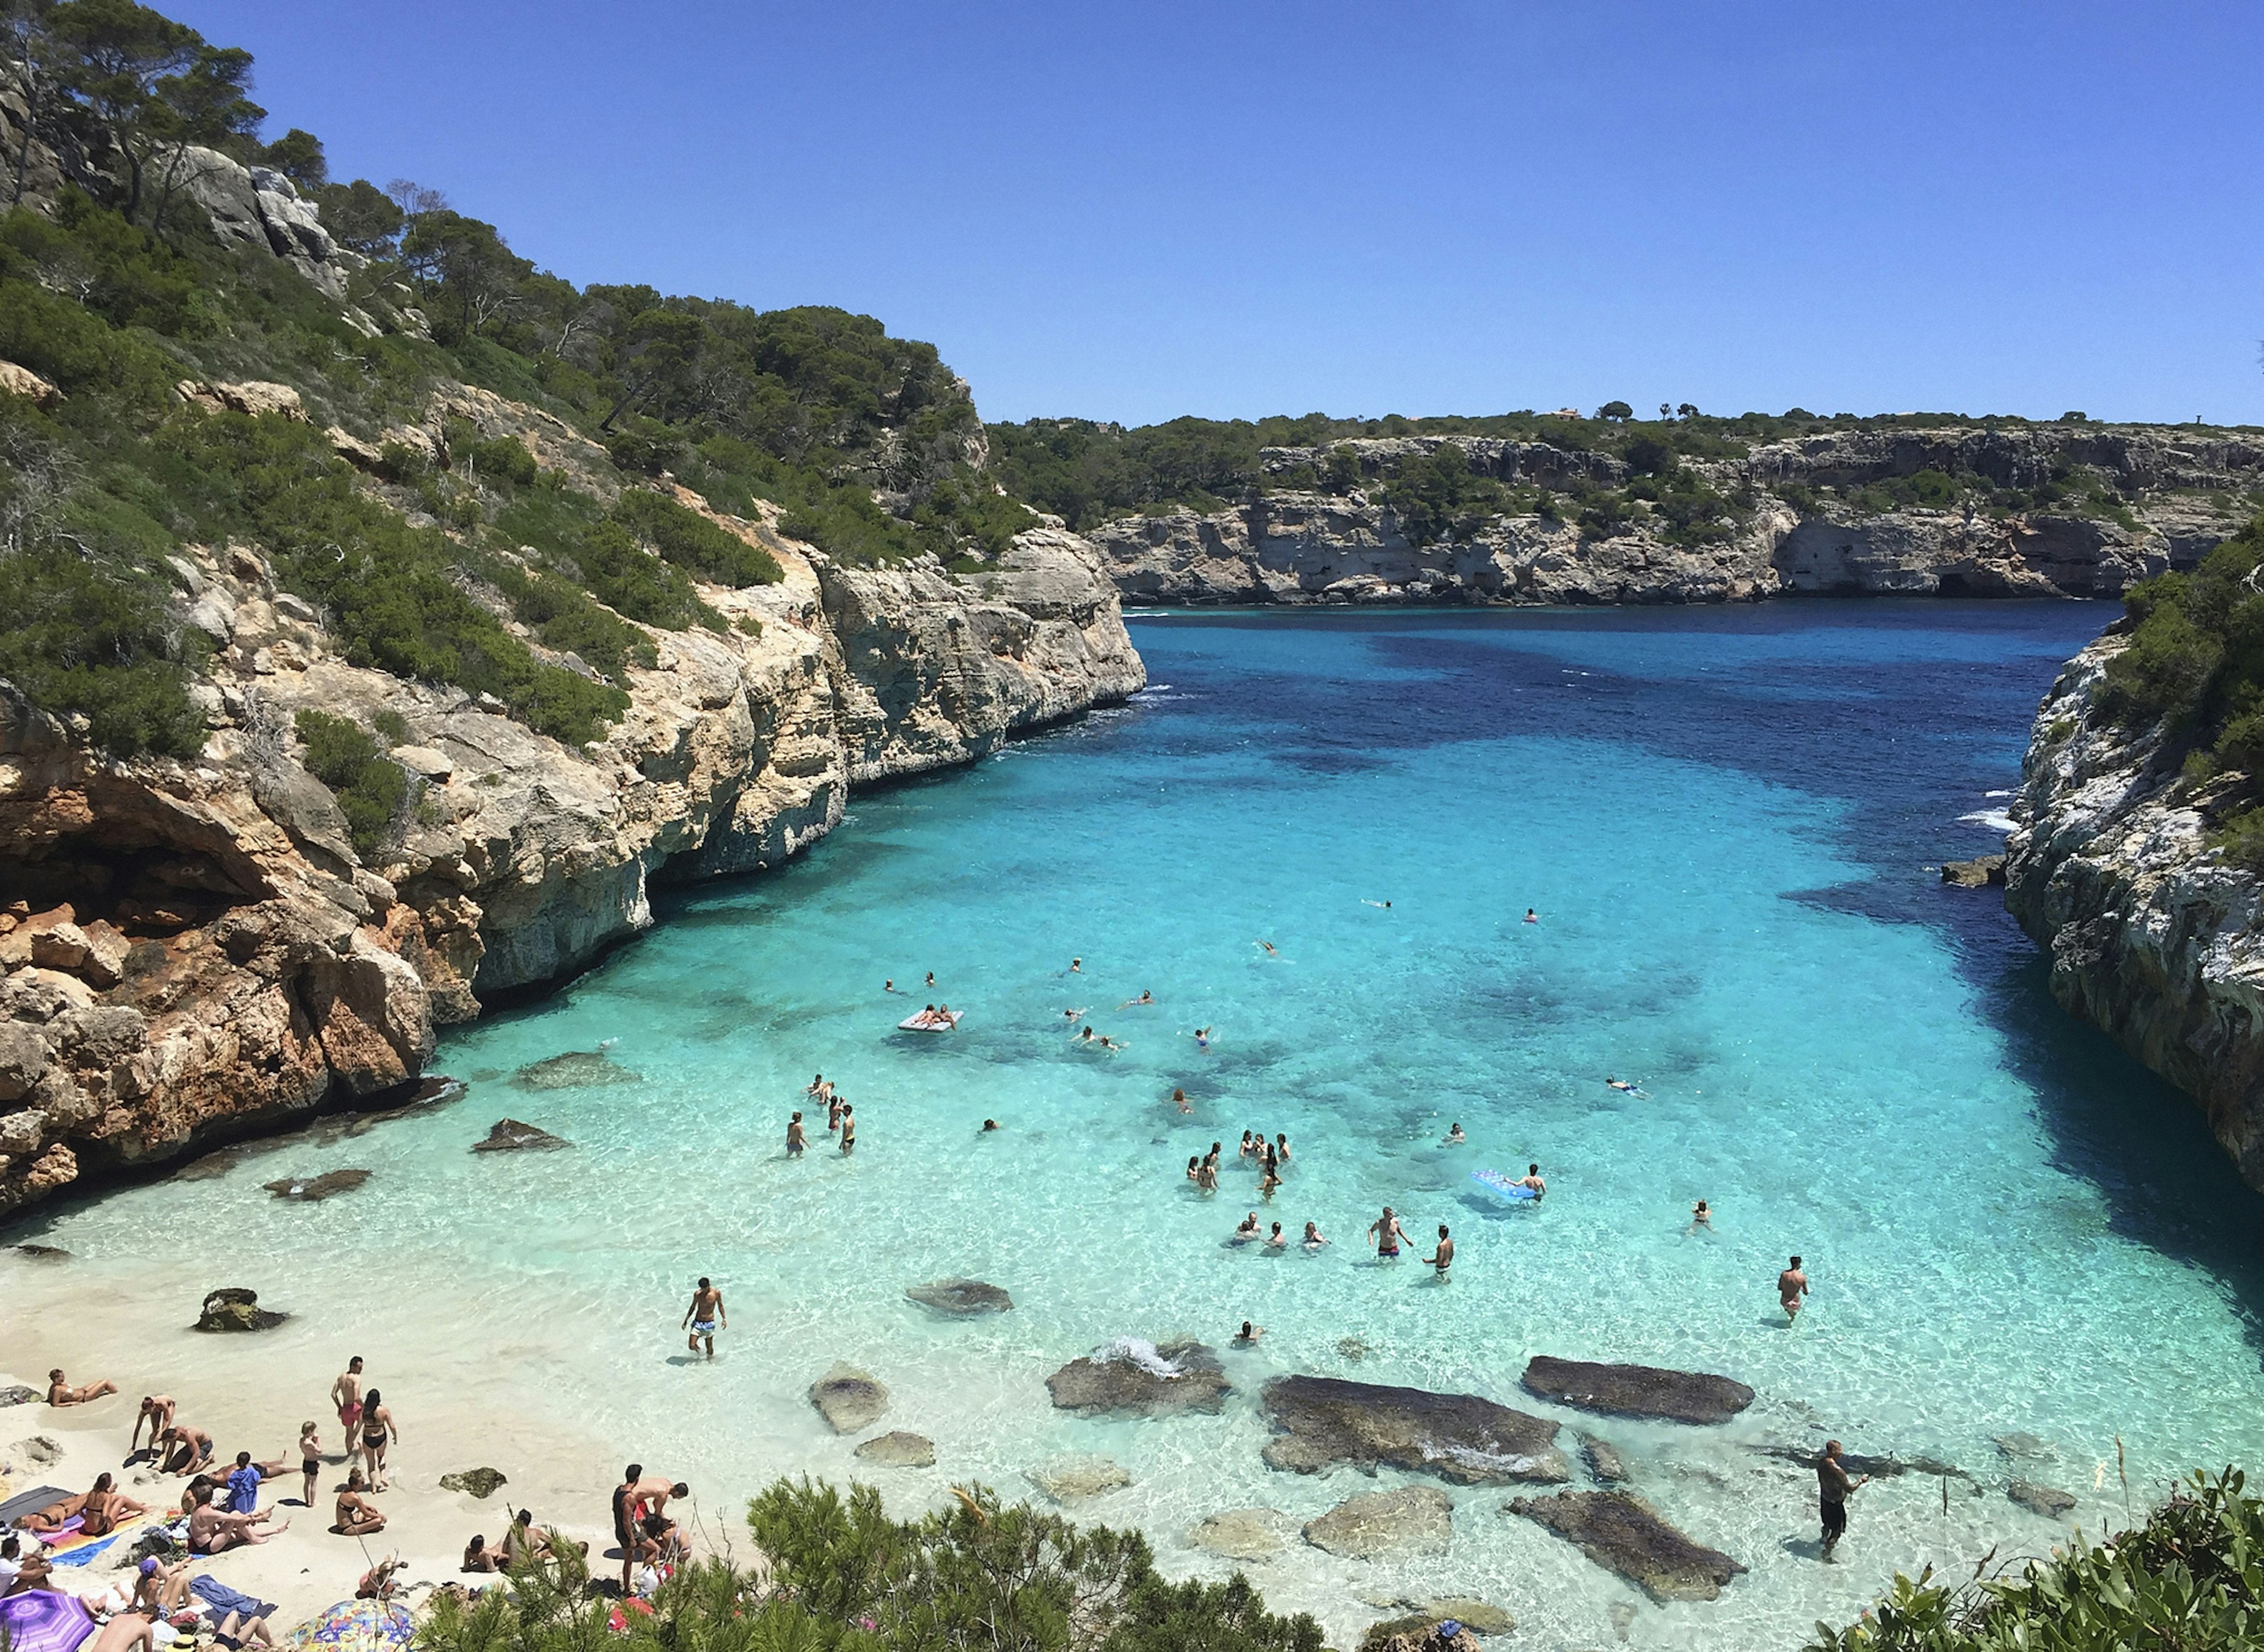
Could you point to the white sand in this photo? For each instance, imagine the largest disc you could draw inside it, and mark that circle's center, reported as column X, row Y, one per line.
column 251, row 1391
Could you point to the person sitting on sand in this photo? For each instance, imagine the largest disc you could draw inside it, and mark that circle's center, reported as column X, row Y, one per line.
column 1274, row 1241
column 1314, row 1238
column 1454, row 1137
column 20, row 1571
column 478, row 1557
column 233, row 1630
column 198, row 1493
column 1145, row 998
column 1248, row 1336
column 1247, row 1229
column 61, row 1393
column 183, row 1449
column 244, row 1483
column 107, row 1509
column 357, row 1515
column 214, row 1530
column 157, row 1412
column 1532, row 1179
column 159, row 1589
column 377, row 1583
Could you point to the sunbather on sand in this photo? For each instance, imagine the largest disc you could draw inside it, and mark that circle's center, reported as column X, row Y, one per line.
column 478, row 1557
column 160, row 1591
column 235, row 1630
column 212, row 1529
column 55, row 1517
column 61, row 1393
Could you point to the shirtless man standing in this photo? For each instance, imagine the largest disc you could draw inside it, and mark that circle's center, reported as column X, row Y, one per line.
column 1443, row 1257
column 848, row 1129
column 61, row 1393
column 157, row 1412
column 1791, row 1286
column 345, row 1393
column 795, row 1140
column 705, row 1315
column 1387, row 1234
column 1532, row 1179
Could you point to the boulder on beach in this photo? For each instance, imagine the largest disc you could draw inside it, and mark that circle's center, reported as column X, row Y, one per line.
column 1077, row 1479
column 1417, row 1519
column 233, row 1307
column 307, row 1190
column 16, row 1393
column 1623, row 1533
column 1240, row 1534
column 509, row 1136
column 899, row 1449
column 1606, row 1466
column 2045, row 1500
column 479, row 1482
column 575, row 1069
column 1644, row 1391
column 961, row 1298
column 849, row 1399
column 1130, row 1377
column 1319, row 1421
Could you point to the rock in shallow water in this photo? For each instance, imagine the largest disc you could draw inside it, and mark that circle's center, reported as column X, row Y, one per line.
column 1077, row 1479
column 1976, row 873
column 2045, row 1500
column 310, row 1190
column 849, row 1399
column 961, row 1298
column 233, row 1307
column 1645, row 1391
column 509, row 1136
column 1605, row 1463
column 1240, row 1534
column 480, row 1482
column 575, row 1069
column 1412, row 1518
column 899, row 1450
column 1321, row 1420
column 1624, row 1534
column 1132, row 1377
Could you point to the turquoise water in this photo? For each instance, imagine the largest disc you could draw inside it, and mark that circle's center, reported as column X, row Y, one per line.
column 1725, row 820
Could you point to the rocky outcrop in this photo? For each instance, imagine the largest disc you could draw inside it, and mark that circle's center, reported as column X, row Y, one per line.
column 1624, row 1534
column 849, row 1399
column 1320, row 1422
column 2153, row 936
column 1130, row 1377
column 1239, row 1534
column 1077, row 1479
column 512, row 1136
column 232, row 1308
column 1288, row 543
column 1645, row 1391
column 1410, row 1519
column 2045, row 1500
column 898, row 1449
column 197, row 951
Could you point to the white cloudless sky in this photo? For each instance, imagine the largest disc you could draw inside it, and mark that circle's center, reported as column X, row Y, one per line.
column 1136, row 211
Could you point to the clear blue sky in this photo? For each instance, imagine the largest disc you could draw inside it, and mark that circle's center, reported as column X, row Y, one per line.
column 1136, row 210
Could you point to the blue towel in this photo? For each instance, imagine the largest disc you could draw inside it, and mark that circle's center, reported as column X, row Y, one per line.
column 223, row 1600
column 244, row 1491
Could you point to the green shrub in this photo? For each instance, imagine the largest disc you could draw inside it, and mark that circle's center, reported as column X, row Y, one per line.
column 369, row 786
column 505, row 459
column 693, row 543
column 89, row 636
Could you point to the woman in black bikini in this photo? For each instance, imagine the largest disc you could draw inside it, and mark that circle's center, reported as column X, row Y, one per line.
column 376, row 1428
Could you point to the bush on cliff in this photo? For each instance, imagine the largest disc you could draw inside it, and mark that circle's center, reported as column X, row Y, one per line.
column 2190, row 1579
column 2195, row 659
column 369, row 786
column 982, row 1577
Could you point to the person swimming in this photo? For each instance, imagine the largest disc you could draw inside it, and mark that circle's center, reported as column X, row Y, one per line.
column 1531, row 917
column 1202, row 1038
column 1247, row 1228
column 1384, row 905
column 1269, row 946
column 1627, row 1084
column 1532, row 1179
column 1085, row 1036
column 1107, row 1043
column 1274, row 1240
column 1454, row 1137
column 1314, row 1238
column 889, row 986
column 1133, row 1004
column 1248, row 1336
column 1180, row 1097
column 1194, row 1168
column 1245, row 1151
column 989, row 1124
column 1702, row 1214
column 1076, row 966
column 931, row 981
column 1069, row 1017
column 1268, row 1182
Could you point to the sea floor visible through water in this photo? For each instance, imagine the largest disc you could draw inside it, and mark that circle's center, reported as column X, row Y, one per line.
column 1727, row 824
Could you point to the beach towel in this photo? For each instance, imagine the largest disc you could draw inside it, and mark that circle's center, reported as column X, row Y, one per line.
column 223, row 1600
column 80, row 1550
column 30, row 1502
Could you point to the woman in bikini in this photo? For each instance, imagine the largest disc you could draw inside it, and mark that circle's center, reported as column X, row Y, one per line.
column 376, row 1430
column 358, row 1516
column 105, row 1508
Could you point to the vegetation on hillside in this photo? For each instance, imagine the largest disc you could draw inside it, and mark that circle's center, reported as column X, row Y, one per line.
column 847, row 1578
column 2190, row 1579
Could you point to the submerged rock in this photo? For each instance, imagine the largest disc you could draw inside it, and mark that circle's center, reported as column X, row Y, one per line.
column 2045, row 1500
column 233, row 1307
column 312, row 1189
column 1417, row 1519
column 575, row 1069
column 509, row 1136
column 1877, row 1468
column 899, row 1450
column 1624, row 1534
column 1319, row 1421
column 1478, row 1616
column 1240, row 1534
column 849, row 1399
column 212, row 1167
column 1351, row 1347
column 1645, row 1391
column 1130, row 1377
column 1416, row 1629
column 2026, row 1448
column 961, row 1298
column 480, row 1482
column 1077, row 1479
column 44, row 1253
column 1605, row 1464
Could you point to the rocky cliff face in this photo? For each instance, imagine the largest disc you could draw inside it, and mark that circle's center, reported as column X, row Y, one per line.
column 196, row 949
column 1290, row 545
column 2153, row 936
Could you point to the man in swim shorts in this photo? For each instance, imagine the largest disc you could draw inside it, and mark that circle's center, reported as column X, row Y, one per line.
column 1791, row 1286
column 1387, row 1234
column 345, row 1393
column 848, row 1129
column 1832, row 1485
column 705, row 1315
column 1532, row 1179
column 795, row 1140
column 1443, row 1257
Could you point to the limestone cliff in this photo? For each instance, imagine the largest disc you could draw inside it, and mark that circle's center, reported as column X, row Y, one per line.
column 1289, row 544
column 195, row 949
column 2153, row 936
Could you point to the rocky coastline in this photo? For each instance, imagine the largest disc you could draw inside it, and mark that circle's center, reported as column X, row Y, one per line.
column 195, row 950
column 1288, row 544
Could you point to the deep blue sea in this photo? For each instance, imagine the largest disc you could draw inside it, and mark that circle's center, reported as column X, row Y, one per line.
column 1726, row 822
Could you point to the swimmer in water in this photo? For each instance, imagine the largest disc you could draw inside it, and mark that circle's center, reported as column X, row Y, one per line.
column 1268, row 1183
column 1248, row 1227
column 795, row 1140
column 1531, row 917
column 1274, row 1241
column 1246, row 1150
column 1454, row 1137
column 1086, row 1037
column 1314, row 1238
column 989, row 1124
column 1702, row 1216
column 1532, row 1179
column 1132, row 1003
column 1180, row 1097
column 1069, row 1017
column 1269, row 946
column 889, row 986
column 1443, row 1257
column 1194, row 1169
column 1107, row 1043
column 1627, row 1084
column 1389, row 1234
column 931, row 981
column 1076, row 966
column 1384, row 905
column 1202, row 1038
column 1248, row 1336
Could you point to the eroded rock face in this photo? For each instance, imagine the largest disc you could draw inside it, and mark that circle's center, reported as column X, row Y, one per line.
column 1645, row 1391
column 1132, row 1377
column 1411, row 1520
column 1319, row 1421
column 1624, row 1534
column 2154, row 936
